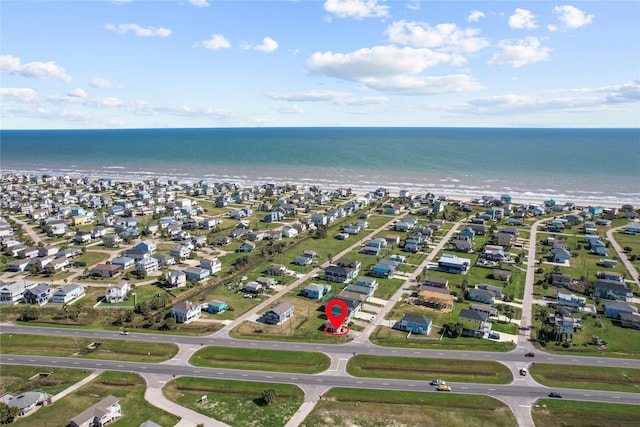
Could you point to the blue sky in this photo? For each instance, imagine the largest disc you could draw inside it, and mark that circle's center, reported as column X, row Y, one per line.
column 198, row 63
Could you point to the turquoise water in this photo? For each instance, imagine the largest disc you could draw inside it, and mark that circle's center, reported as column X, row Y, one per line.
column 568, row 164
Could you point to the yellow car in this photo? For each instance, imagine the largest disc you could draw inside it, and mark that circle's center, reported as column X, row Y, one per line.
column 443, row 387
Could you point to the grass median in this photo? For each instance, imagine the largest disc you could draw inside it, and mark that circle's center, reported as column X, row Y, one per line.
column 573, row 413
column 413, row 368
column 301, row 362
column 349, row 407
column 587, row 377
column 125, row 350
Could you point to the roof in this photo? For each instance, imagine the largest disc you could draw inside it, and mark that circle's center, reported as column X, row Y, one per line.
column 473, row 315
column 611, row 285
column 414, row 318
column 281, row 308
column 96, row 410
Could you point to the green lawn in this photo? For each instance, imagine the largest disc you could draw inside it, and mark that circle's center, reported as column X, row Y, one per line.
column 18, row 379
column 128, row 388
column 587, row 377
column 125, row 350
column 408, row 368
column 261, row 360
column 381, row 408
column 237, row 403
column 573, row 413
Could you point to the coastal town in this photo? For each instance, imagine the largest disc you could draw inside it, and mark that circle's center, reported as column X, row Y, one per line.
column 258, row 265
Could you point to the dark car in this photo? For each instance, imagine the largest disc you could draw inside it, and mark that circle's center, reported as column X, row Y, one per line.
column 555, row 394
column 530, row 354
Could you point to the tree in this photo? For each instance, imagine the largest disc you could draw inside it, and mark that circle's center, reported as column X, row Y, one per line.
column 8, row 413
column 30, row 313
column 268, row 396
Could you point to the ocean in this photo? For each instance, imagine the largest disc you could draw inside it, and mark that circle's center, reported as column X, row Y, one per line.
column 591, row 166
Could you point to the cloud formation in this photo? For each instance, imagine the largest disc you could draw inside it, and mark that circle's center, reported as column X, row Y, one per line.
column 356, row 8
column 101, row 83
column 40, row 70
column 446, row 37
column 520, row 53
column 475, row 16
column 216, row 42
column 19, row 94
column 138, row 30
column 522, row 19
column 572, row 17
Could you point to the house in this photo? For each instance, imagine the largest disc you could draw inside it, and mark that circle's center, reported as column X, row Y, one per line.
column 612, row 275
column 176, row 279
column 196, row 274
column 500, row 274
column 571, row 301
column 179, row 252
column 303, row 261
column 353, row 307
column 480, row 295
column 58, row 264
column 106, row 270
column 103, row 412
column 612, row 289
column 289, row 231
column 212, row 264
column 369, row 282
column 67, row 293
column 362, row 290
column 124, row 262
column 560, row 256
column 276, row 270
column 414, row 324
column 253, row 287
column 27, row 401
column 18, row 265
column 150, row 265
column 186, row 312
column 316, row 291
column 111, row 240
column 462, row 245
column 614, row 309
column 336, row 273
column 609, row 263
column 117, row 293
column 39, row 294
column 474, row 323
column 215, row 306
column 385, row 268
column 560, row 279
column 630, row 320
column 450, row 263
column 489, row 310
column 164, row 260
column 246, row 247
column 437, row 282
column 267, row 282
column 13, row 293
column 279, row 313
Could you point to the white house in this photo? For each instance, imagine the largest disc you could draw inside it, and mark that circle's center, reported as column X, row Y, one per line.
column 117, row 293
column 67, row 293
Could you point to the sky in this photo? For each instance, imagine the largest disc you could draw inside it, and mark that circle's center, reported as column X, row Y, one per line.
column 101, row 64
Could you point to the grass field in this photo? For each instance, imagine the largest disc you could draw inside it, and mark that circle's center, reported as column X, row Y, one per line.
column 237, row 403
column 261, row 360
column 19, row 379
column 573, row 413
column 130, row 351
column 408, row 368
column 128, row 388
column 587, row 377
column 378, row 408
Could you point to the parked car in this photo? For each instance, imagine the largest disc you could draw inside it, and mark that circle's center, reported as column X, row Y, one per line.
column 443, row 387
column 438, row 382
column 494, row 336
column 555, row 394
column 530, row 354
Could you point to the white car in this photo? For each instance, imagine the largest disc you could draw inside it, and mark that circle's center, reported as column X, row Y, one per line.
column 372, row 318
column 124, row 332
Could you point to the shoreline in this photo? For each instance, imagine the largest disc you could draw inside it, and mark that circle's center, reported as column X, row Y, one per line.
column 450, row 194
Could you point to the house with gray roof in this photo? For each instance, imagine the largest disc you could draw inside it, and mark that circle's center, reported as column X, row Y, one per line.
column 103, row 412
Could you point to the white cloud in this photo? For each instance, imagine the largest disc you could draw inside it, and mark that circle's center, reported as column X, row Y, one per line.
column 138, row 30
column 425, row 85
column 77, row 93
column 19, row 94
column 288, row 109
column 523, row 52
column 268, row 45
column 379, row 61
column 217, row 42
column 572, row 17
column 40, row 70
column 308, row 96
column 199, row 3
column 475, row 16
column 356, row 8
column 522, row 19
column 446, row 36
column 101, row 83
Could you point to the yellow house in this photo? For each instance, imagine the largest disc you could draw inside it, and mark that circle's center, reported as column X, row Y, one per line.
column 79, row 220
column 473, row 322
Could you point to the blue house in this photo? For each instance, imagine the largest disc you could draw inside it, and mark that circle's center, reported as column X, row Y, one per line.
column 614, row 309
column 385, row 268
column 480, row 295
column 215, row 306
column 369, row 282
column 316, row 291
column 272, row 216
column 595, row 210
column 468, row 233
column 196, row 273
column 452, row 264
column 414, row 324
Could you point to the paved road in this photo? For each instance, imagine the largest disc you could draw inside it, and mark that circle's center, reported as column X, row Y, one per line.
column 623, row 256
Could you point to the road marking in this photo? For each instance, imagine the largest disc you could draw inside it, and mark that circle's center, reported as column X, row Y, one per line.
column 412, row 385
column 525, row 406
column 492, row 389
column 245, row 375
column 616, row 397
column 294, row 378
column 359, row 382
column 319, row 381
column 269, row 376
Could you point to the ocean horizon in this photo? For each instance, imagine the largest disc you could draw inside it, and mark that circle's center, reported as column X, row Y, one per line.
column 590, row 166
